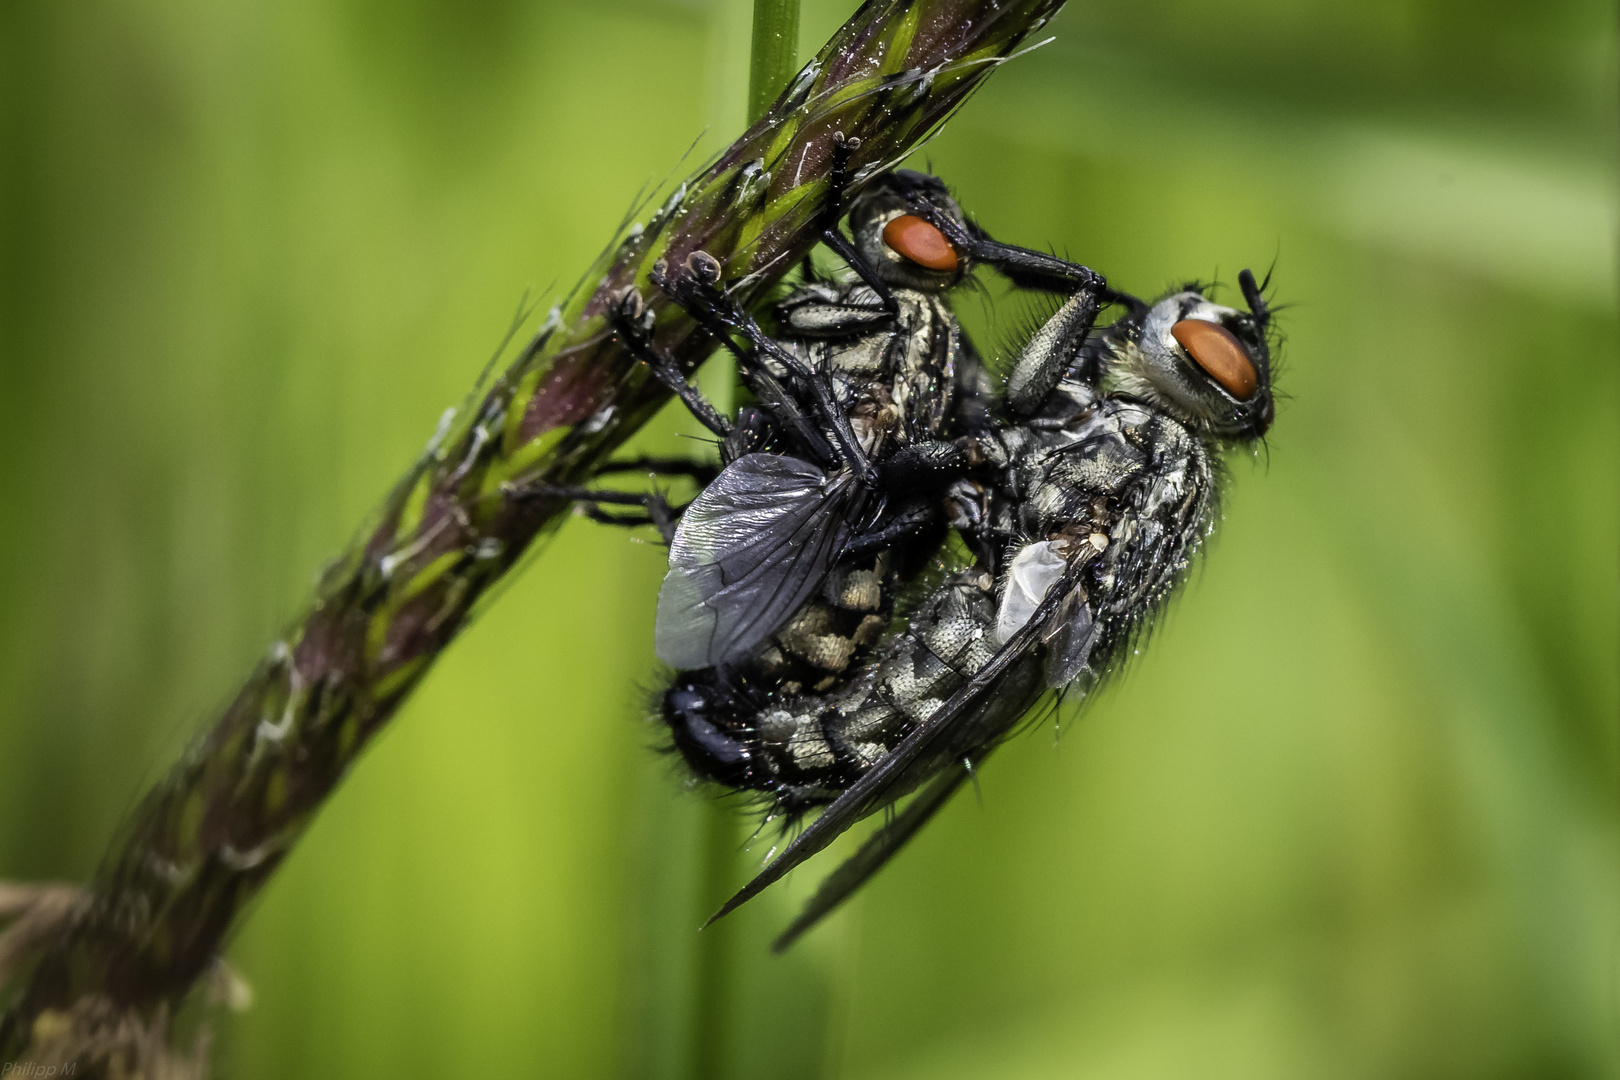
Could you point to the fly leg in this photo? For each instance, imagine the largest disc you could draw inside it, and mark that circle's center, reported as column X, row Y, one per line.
column 751, row 431
column 918, row 475
column 687, row 293
column 1050, row 352
column 911, row 518
column 699, row 472
column 1024, row 267
column 632, row 324
column 1027, row 268
column 656, row 510
column 698, row 292
column 833, row 211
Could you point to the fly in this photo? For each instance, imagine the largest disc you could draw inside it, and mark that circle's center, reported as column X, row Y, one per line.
column 1095, row 496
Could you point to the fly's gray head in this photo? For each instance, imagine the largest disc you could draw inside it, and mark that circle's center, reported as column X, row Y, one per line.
column 905, row 250
column 1208, row 365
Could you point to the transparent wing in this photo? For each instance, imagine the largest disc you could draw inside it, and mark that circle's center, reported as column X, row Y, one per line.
column 889, row 776
column 1070, row 646
column 748, row 552
column 878, row 849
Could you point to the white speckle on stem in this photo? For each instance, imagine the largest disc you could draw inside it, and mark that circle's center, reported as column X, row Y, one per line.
column 446, row 418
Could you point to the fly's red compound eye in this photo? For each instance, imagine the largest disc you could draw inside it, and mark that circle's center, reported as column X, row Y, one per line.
column 1220, row 354
column 920, row 242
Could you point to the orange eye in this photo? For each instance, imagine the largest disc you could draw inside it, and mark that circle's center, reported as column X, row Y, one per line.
column 1220, row 354
column 920, row 242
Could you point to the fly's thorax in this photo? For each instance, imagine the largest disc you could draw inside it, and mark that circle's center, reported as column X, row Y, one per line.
column 1056, row 477
column 897, row 384
column 867, row 354
column 1121, row 483
column 923, row 348
column 925, row 378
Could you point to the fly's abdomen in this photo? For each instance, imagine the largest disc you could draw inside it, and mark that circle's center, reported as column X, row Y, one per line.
column 715, row 714
column 804, row 746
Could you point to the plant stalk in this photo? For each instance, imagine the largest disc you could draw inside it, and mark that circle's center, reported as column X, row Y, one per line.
column 201, row 844
column 714, row 980
column 773, row 58
column 772, row 63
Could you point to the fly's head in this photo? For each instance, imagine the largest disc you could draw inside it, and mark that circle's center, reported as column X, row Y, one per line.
column 1207, row 365
column 905, row 250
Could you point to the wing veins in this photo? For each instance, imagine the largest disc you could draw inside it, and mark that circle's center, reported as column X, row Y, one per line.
column 859, row 798
column 822, row 549
column 874, row 853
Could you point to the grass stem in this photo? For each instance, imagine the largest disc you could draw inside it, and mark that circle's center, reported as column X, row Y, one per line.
column 772, row 63
column 714, row 979
column 774, row 57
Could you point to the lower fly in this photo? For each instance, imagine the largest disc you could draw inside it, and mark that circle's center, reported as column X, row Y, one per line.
column 1093, row 498
column 1082, row 491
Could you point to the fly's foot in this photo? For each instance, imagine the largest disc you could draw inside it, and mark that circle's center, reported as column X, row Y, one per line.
column 696, row 291
column 705, row 267
column 843, row 148
column 632, row 321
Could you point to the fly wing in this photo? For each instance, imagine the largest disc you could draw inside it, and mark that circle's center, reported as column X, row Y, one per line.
column 1071, row 635
column 748, row 552
column 1071, row 644
column 890, row 775
column 878, row 849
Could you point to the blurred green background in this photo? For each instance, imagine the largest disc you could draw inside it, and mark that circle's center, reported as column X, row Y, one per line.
column 1352, row 815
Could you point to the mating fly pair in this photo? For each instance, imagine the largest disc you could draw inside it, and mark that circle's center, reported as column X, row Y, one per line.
column 1083, row 490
